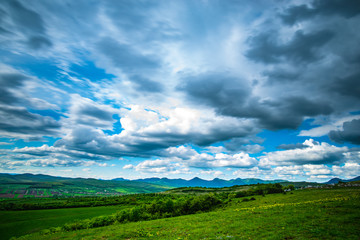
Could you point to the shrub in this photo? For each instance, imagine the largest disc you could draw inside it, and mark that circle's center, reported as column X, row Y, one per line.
column 122, row 216
column 240, row 194
column 101, row 221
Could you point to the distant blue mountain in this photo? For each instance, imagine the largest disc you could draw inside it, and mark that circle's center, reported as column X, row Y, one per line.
column 333, row 181
column 29, row 177
column 120, row 179
column 337, row 180
column 167, row 182
column 198, row 182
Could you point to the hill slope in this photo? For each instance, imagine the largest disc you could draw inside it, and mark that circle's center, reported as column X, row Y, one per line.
column 305, row 214
column 44, row 185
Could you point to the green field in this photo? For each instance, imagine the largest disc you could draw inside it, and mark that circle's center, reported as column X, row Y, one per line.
column 17, row 223
column 304, row 214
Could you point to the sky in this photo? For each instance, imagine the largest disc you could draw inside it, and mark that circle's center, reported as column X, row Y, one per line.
column 180, row 89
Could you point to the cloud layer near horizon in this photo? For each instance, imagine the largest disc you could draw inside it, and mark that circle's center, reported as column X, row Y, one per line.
column 181, row 88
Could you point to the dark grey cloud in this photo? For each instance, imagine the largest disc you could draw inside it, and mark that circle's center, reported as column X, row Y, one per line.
column 125, row 57
column 350, row 133
column 9, row 82
column 233, row 97
column 278, row 76
column 14, row 92
column 244, row 144
column 39, row 42
column 318, row 62
column 289, row 112
column 253, row 148
column 54, row 152
column 96, row 112
column 17, row 121
column 297, row 13
column 86, row 112
column 19, row 19
column 213, row 135
column 26, row 19
column 144, row 84
column 305, row 107
column 302, row 48
column 292, row 146
column 347, row 9
column 216, row 89
column 347, row 86
column 88, row 140
column 131, row 15
column 85, row 139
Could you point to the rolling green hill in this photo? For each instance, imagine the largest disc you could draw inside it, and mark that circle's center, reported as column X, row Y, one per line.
column 29, row 185
column 304, row 214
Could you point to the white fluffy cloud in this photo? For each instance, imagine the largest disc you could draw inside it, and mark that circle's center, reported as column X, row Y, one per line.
column 314, row 153
column 147, row 132
column 212, row 173
column 238, row 160
column 310, row 172
column 161, row 166
column 128, row 166
column 47, row 162
column 348, row 170
column 252, row 173
column 155, row 166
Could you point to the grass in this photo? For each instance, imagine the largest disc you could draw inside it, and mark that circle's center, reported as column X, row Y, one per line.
column 17, row 223
column 305, row 214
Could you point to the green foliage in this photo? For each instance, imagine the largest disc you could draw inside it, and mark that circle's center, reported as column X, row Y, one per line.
column 74, row 202
column 162, row 208
column 262, row 189
column 290, row 187
column 248, row 199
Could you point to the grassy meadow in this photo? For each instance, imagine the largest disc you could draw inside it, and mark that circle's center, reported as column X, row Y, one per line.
column 17, row 223
column 301, row 214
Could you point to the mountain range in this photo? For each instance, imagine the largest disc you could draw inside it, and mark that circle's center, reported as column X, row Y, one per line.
column 198, row 182
column 337, row 180
column 148, row 182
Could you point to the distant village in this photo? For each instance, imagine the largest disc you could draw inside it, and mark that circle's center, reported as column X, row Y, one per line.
column 332, row 185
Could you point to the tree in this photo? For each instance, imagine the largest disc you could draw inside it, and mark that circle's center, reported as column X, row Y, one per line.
column 290, row 187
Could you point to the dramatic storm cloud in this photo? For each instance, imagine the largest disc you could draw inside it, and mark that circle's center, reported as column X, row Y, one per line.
column 265, row 89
